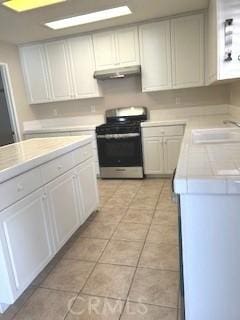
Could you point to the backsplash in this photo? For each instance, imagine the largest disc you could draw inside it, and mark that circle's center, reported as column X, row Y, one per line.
column 126, row 92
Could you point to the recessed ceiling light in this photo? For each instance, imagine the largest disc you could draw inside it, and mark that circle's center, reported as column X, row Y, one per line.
column 89, row 18
column 25, row 5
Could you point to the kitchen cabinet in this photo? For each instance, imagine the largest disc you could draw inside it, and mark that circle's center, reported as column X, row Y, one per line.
column 187, row 34
column 35, row 73
column 87, row 181
column 155, row 53
column 161, row 148
column 82, row 65
column 59, row 70
column 219, row 46
column 26, row 239
column 117, row 48
column 64, row 207
column 40, row 210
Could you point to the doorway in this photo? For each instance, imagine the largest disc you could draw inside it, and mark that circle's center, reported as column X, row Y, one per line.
column 9, row 130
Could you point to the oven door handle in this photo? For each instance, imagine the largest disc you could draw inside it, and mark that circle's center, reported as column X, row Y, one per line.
column 118, row 136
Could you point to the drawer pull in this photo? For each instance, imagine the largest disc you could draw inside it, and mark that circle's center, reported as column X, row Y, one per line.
column 19, row 187
column 59, row 167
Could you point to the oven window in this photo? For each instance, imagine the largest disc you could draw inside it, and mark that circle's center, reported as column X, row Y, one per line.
column 120, row 152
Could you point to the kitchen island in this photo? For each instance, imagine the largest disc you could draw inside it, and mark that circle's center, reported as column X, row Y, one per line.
column 208, row 183
column 48, row 189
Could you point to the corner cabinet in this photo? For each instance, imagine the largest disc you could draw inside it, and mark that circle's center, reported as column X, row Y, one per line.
column 118, row 48
column 161, row 148
column 155, row 53
column 187, row 34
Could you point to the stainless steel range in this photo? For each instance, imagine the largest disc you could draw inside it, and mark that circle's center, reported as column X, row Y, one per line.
column 119, row 143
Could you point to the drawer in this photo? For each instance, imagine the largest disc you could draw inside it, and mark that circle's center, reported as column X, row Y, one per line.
column 20, row 186
column 83, row 153
column 163, row 131
column 56, row 167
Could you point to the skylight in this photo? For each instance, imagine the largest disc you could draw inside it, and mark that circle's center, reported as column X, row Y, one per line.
column 89, row 18
column 25, row 5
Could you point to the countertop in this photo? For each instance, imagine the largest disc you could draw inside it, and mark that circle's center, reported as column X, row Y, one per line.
column 61, row 129
column 20, row 157
column 211, row 168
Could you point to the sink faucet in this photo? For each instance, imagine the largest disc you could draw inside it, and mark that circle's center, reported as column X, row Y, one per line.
column 237, row 124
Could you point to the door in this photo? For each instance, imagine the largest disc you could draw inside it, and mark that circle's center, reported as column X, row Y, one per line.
column 59, row 71
column 83, row 67
column 155, row 50
column 6, row 131
column 188, row 51
column 63, row 206
column 104, row 50
column 127, row 47
column 87, row 181
column 27, row 241
column 123, row 150
column 172, row 146
column 35, row 73
column 153, row 155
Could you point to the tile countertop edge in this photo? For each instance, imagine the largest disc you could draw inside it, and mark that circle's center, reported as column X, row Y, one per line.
column 61, row 129
column 15, row 170
column 172, row 122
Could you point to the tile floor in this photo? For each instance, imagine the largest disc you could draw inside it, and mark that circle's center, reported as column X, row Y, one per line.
column 122, row 264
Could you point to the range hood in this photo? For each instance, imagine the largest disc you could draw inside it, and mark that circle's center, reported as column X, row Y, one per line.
column 117, row 73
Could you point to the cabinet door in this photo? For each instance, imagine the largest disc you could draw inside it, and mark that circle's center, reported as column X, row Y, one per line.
column 153, row 155
column 127, row 47
column 104, row 50
column 58, row 69
column 155, row 53
column 172, row 147
column 83, row 67
column 27, row 242
column 188, row 51
column 87, row 183
column 63, row 206
column 35, row 73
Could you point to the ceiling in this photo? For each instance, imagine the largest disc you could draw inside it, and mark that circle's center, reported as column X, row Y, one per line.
column 29, row 26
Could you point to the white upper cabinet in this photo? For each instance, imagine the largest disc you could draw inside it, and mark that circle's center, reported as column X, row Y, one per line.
column 155, row 52
column 104, row 50
column 35, row 73
column 82, row 65
column 58, row 69
column 223, row 45
column 116, row 48
column 188, row 51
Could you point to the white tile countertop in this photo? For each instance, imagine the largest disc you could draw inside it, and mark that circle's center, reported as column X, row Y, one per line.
column 20, row 157
column 207, row 168
column 61, row 129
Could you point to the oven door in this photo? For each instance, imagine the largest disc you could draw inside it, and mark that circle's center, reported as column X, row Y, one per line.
column 120, row 150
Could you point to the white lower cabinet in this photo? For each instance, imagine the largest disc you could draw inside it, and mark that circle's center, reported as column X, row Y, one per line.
column 86, row 177
column 26, row 239
column 161, row 148
column 64, row 207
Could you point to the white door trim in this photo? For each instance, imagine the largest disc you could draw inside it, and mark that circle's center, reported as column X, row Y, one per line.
column 10, row 101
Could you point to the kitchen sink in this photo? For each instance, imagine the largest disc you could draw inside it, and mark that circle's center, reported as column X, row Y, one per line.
column 218, row 135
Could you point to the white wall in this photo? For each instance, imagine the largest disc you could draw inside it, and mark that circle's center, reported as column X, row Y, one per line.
column 235, row 93
column 126, row 92
column 9, row 55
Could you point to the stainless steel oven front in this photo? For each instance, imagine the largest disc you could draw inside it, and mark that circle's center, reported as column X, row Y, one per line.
column 120, row 155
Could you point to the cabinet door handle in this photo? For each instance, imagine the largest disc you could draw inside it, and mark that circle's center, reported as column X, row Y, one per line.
column 239, row 58
column 59, row 167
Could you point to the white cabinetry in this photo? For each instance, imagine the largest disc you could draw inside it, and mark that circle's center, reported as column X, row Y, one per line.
column 161, row 147
column 27, row 243
column 218, row 46
column 63, row 204
column 188, row 51
column 116, row 48
column 155, row 52
column 82, row 67
column 87, row 181
column 58, row 69
column 35, row 73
